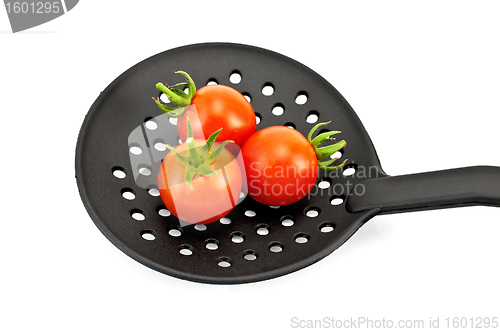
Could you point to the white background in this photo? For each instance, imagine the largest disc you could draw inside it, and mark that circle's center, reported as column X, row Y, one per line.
column 423, row 76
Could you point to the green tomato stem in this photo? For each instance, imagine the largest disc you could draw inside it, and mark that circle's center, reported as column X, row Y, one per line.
column 326, row 151
column 176, row 96
column 198, row 160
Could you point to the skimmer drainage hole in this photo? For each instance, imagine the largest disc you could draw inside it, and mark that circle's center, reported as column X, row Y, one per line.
column 175, row 232
column 250, row 213
column 268, row 89
column 138, row 215
column 247, row 96
column 237, row 237
column 164, row 212
column 235, row 77
column 128, row 194
column 312, row 117
column 154, row 192
column 287, row 221
column 258, row 118
column 312, row 212
column 145, row 170
column 186, row 250
column 301, row 98
column 212, row 244
column 148, row 235
column 135, row 150
column 160, row 146
column 164, row 98
column 278, row 109
column 200, row 227
column 151, row 124
column 301, row 238
column 326, row 227
column 224, row 262
column 337, row 154
column 276, row 247
column 336, row 200
column 262, row 229
column 350, row 169
column 119, row 172
column 250, row 255
column 324, row 183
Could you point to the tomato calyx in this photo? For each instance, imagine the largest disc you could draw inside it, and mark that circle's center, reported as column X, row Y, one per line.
column 326, row 151
column 198, row 160
column 176, row 96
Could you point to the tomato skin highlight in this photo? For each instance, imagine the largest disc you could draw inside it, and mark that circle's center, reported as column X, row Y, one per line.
column 281, row 166
column 211, row 198
column 219, row 106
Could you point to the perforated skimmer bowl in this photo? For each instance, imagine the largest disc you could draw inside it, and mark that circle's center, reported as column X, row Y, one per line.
column 254, row 242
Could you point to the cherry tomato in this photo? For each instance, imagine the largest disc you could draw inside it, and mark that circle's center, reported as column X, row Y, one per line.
column 209, row 108
column 210, row 197
column 281, row 166
column 219, row 106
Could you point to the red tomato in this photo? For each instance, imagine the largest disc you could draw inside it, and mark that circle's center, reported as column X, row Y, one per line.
column 211, row 197
column 281, row 166
column 219, row 106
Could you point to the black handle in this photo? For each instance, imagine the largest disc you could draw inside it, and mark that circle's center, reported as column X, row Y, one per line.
column 479, row 185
